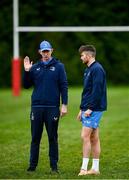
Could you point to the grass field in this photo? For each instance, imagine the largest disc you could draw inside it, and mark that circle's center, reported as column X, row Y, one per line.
column 15, row 138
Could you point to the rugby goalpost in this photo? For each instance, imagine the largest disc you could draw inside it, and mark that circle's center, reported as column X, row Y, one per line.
column 16, row 63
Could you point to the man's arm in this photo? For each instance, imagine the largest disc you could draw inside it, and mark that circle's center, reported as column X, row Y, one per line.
column 27, row 80
column 98, row 77
column 63, row 90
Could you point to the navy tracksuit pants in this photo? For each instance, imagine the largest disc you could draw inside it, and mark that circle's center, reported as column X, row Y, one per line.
column 50, row 117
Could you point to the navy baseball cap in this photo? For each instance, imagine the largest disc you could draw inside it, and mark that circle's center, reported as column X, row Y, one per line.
column 45, row 45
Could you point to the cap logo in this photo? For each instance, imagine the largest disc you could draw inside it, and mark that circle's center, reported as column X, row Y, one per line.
column 45, row 45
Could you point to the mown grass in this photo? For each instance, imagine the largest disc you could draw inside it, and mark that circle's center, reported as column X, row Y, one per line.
column 15, row 138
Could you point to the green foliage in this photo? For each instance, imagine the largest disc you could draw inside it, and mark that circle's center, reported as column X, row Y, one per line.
column 112, row 47
column 15, row 138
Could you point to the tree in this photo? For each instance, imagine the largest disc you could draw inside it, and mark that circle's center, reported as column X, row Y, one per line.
column 112, row 48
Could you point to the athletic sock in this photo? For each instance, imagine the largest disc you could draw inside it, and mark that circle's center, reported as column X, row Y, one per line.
column 95, row 164
column 85, row 163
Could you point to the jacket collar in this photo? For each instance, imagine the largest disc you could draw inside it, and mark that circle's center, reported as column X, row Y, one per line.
column 53, row 61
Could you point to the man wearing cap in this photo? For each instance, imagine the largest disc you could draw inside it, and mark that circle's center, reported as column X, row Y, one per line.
column 48, row 77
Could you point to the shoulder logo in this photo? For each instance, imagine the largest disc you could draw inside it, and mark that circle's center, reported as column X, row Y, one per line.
column 52, row 68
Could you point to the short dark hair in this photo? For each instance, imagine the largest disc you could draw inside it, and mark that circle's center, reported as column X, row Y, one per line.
column 88, row 48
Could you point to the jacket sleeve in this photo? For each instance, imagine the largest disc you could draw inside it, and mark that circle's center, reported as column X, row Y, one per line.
column 98, row 79
column 63, row 85
column 27, row 79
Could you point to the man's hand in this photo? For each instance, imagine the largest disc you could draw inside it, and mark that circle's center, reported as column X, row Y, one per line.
column 79, row 115
column 27, row 63
column 63, row 110
column 88, row 112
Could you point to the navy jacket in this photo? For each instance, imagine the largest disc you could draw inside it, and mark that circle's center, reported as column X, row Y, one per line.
column 94, row 94
column 49, row 83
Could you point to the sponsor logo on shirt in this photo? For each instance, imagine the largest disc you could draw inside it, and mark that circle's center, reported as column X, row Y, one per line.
column 52, row 68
